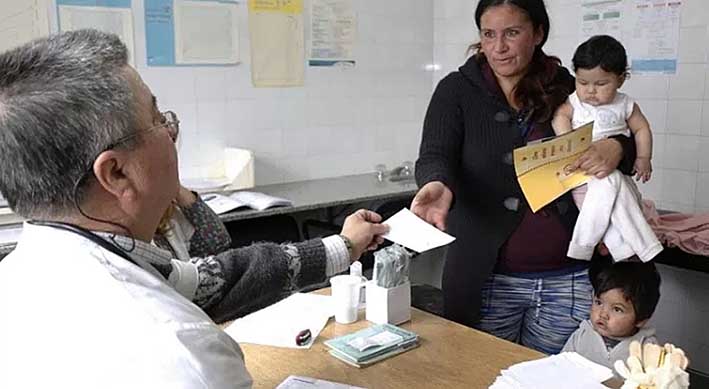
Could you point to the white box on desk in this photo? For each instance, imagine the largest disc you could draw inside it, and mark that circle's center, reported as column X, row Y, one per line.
column 388, row 305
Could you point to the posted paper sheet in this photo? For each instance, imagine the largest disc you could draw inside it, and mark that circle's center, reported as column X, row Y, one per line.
column 277, row 43
column 332, row 33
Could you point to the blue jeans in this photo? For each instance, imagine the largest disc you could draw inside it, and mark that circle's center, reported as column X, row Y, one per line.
column 540, row 313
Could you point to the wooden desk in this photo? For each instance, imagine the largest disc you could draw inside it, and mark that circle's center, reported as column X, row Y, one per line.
column 450, row 356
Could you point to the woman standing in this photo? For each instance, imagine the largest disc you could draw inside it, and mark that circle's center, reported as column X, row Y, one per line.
column 507, row 273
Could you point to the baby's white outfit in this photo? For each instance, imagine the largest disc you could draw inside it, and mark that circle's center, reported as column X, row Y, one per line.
column 611, row 209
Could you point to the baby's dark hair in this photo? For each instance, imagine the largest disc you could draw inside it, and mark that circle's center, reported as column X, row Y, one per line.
column 604, row 51
column 639, row 282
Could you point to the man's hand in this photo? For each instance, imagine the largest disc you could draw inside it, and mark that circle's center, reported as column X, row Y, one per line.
column 362, row 228
column 600, row 159
column 432, row 203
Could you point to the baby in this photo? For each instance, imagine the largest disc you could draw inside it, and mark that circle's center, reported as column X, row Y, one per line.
column 625, row 297
column 611, row 208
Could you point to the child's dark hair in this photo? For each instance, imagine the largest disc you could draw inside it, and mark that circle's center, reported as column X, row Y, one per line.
column 603, row 51
column 639, row 282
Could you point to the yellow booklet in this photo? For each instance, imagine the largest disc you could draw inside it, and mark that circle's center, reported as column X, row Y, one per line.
column 542, row 166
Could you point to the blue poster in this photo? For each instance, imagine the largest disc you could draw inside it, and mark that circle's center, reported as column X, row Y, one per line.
column 160, row 32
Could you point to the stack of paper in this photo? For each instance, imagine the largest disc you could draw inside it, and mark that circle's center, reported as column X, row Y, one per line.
column 372, row 344
column 554, row 372
column 243, row 199
column 279, row 324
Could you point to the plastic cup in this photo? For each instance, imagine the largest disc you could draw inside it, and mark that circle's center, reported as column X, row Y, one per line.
column 345, row 295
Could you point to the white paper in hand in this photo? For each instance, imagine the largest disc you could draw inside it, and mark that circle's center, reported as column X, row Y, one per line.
column 414, row 233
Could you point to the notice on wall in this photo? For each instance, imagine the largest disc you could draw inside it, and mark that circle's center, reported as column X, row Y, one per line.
column 277, row 43
column 112, row 16
column 332, row 33
column 649, row 30
column 601, row 18
column 653, row 39
column 191, row 32
column 22, row 21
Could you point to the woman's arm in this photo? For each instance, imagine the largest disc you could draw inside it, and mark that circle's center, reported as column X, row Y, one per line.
column 606, row 155
column 439, row 153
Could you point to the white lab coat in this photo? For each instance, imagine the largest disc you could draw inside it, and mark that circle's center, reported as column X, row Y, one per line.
column 74, row 315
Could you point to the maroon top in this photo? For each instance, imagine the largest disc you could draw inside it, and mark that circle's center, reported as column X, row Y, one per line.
column 540, row 241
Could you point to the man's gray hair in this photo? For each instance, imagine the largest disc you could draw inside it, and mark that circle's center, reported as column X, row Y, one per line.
column 63, row 100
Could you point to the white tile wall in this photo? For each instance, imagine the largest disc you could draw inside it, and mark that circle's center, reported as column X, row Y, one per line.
column 340, row 122
column 681, row 315
column 677, row 107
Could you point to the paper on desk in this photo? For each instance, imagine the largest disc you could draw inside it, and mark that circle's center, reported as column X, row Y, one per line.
column 414, row 233
column 554, row 372
column 298, row 382
column 279, row 324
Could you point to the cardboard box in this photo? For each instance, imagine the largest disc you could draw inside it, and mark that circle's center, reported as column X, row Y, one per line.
column 391, row 305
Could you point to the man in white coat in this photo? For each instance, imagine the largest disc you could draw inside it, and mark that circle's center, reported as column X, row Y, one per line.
column 86, row 301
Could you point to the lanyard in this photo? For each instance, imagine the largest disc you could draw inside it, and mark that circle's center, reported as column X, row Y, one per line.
column 525, row 123
column 86, row 234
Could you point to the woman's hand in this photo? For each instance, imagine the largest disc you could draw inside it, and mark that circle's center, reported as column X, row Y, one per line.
column 432, row 203
column 600, row 159
column 362, row 228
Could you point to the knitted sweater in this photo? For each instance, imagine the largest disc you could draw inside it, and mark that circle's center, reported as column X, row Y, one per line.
column 236, row 282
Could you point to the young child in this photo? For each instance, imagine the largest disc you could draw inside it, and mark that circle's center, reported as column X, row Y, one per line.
column 625, row 297
column 611, row 209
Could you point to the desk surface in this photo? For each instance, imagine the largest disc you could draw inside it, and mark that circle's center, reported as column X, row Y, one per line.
column 305, row 195
column 450, row 356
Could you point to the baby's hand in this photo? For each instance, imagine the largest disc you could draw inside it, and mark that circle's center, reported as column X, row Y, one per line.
column 642, row 169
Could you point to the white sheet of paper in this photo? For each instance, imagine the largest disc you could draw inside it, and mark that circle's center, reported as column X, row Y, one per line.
column 414, row 233
column 554, row 372
column 206, row 33
column 117, row 21
column 22, row 21
column 279, row 324
column 299, row 382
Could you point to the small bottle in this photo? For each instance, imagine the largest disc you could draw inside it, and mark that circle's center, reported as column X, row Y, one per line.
column 356, row 270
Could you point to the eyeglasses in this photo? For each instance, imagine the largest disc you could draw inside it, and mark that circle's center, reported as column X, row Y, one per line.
column 168, row 119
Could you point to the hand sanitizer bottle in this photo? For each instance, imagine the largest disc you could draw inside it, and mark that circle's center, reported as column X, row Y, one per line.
column 356, row 270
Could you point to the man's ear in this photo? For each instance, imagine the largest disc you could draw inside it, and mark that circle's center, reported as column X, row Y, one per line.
column 111, row 170
column 641, row 323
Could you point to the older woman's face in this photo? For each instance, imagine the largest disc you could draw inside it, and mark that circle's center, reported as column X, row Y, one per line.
column 508, row 39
